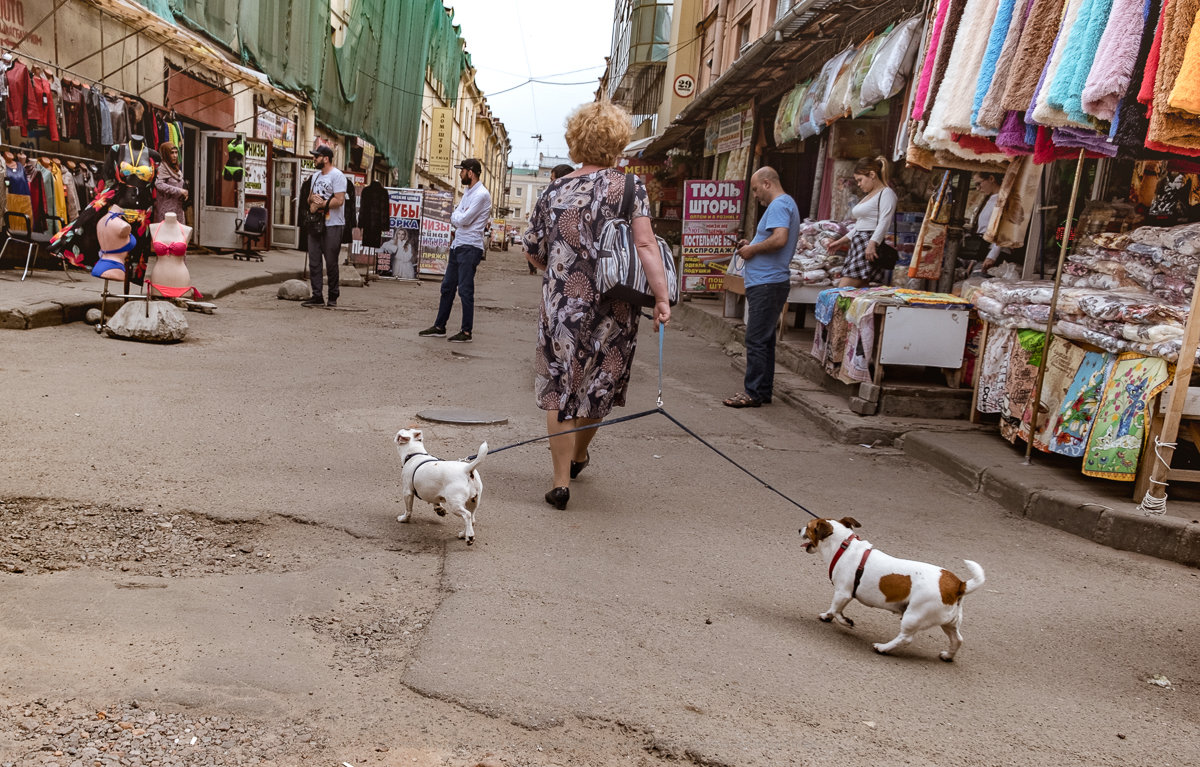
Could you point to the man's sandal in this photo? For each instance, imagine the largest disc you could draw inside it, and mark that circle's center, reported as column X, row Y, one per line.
column 742, row 399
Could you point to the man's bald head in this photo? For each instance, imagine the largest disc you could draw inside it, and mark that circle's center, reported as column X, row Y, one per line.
column 766, row 175
column 765, row 185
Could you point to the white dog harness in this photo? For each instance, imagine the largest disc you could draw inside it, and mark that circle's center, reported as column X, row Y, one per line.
column 862, row 563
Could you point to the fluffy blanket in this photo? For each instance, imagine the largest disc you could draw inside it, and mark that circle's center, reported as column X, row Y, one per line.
column 1115, row 59
column 1185, row 96
column 1131, row 122
column 1041, row 110
column 990, row 115
column 1066, row 91
column 1037, row 41
column 1168, row 126
column 991, row 60
column 952, row 107
column 930, row 59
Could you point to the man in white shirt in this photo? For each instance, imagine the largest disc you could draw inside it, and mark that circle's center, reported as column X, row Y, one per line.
column 328, row 198
column 469, row 220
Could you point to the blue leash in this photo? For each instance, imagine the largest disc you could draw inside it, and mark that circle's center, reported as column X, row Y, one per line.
column 661, row 337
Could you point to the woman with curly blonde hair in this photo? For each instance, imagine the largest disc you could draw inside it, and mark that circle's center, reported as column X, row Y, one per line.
column 586, row 342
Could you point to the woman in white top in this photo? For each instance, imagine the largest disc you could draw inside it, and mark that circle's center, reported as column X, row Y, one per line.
column 873, row 217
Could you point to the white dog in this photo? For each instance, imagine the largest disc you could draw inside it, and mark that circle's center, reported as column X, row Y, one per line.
column 925, row 595
column 448, row 485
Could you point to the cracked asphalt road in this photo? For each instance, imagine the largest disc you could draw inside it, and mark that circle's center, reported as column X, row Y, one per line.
column 667, row 616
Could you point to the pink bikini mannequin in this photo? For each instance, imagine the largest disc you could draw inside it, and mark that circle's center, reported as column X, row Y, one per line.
column 170, row 277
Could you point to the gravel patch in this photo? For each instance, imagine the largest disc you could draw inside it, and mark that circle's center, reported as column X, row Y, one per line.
column 128, row 734
column 40, row 536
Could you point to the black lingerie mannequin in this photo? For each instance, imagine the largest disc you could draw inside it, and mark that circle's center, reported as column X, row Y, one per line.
column 130, row 170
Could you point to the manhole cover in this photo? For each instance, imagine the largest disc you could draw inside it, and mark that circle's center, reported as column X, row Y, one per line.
column 461, row 415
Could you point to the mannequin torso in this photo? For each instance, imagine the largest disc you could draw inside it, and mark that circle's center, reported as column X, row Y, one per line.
column 133, row 167
column 170, row 240
column 113, row 234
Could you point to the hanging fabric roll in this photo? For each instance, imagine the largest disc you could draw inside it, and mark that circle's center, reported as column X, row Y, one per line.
column 991, row 61
column 1131, row 119
column 1171, row 127
column 1115, row 59
column 952, row 109
column 1037, row 42
column 990, row 116
column 1185, row 96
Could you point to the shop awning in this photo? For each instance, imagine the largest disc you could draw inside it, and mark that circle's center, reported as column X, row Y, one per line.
column 189, row 45
column 794, row 48
column 634, row 147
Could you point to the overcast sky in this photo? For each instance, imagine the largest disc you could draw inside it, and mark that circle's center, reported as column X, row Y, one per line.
column 511, row 41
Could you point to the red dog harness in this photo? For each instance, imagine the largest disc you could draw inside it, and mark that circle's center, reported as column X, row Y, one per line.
column 862, row 563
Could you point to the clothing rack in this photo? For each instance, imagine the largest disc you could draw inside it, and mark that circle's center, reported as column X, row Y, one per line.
column 34, row 152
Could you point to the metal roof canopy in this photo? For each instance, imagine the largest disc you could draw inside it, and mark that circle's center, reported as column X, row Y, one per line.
column 795, row 47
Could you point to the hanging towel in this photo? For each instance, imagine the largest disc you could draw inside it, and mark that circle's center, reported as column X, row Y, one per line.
column 1042, row 111
column 1171, row 127
column 1185, row 96
column 1037, row 42
column 1115, row 59
column 931, row 54
column 1131, row 120
column 1066, row 92
column 991, row 59
column 991, row 113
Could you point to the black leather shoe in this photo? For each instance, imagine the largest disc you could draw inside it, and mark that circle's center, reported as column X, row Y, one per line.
column 558, row 497
column 580, row 466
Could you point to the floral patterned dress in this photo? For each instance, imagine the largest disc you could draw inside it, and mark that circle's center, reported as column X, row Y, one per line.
column 585, row 343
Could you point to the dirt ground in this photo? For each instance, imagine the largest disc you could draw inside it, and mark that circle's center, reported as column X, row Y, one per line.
column 200, row 564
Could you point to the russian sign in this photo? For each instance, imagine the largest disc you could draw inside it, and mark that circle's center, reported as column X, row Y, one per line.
column 712, row 214
column 279, row 130
column 441, row 141
column 404, row 208
column 435, row 231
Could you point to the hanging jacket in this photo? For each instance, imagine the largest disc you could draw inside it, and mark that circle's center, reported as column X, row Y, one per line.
column 19, row 87
column 374, row 217
column 305, row 191
column 351, row 211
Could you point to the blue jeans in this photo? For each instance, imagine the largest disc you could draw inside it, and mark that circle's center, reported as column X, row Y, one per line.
column 460, row 278
column 765, row 302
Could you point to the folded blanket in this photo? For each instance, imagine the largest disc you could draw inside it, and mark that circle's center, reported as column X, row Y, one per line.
column 1186, row 94
column 1037, row 42
column 1011, row 139
column 1115, row 59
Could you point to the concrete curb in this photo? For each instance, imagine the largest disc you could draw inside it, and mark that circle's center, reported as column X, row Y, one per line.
column 1037, row 493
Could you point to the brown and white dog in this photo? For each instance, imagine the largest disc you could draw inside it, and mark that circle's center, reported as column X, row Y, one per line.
column 449, row 485
column 925, row 595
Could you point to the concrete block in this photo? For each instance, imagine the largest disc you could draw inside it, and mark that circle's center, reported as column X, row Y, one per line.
column 1156, row 536
column 13, row 320
column 1063, row 510
column 862, row 406
column 870, row 392
column 932, row 448
column 1005, row 489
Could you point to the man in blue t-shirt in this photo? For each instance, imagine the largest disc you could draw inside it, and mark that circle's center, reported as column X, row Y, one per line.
column 766, row 273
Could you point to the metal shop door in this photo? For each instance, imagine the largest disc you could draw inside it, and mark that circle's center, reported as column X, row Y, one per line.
column 285, row 196
column 222, row 202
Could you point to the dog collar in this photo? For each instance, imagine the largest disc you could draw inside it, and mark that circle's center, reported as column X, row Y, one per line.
column 411, row 456
column 841, row 550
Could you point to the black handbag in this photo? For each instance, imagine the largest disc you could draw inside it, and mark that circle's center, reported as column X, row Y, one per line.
column 886, row 255
column 314, row 222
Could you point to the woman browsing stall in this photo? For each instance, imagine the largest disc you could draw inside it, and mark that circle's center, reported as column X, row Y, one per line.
column 873, row 217
column 585, row 341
